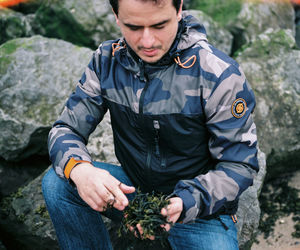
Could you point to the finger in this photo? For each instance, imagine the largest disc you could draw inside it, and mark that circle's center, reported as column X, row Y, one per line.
column 173, row 218
column 103, row 195
column 150, row 237
column 167, row 227
column 126, row 189
column 164, row 212
column 139, row 227
column 175, row 206
column 121, row 199
column 98, row 206
column 130, row 228
column 141, row 232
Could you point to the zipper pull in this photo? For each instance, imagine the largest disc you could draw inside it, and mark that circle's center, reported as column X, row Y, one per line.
column 156, row 138
column 156, row 124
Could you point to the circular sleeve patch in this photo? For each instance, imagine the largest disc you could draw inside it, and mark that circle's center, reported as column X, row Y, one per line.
column 238, row 108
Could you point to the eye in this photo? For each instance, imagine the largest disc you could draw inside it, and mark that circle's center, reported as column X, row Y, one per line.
column 134, row 28
column 159, row 27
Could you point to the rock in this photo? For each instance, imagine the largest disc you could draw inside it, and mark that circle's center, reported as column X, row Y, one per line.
column 14, row 25
column 298, row 35
column 36, row 77
column 248, row 213
column 17, row 174
column 2, row 247
column 83, row 22
column 258, row 16
column 217, row 36
column 24, row 218
column 101, row 144
column 271, row 64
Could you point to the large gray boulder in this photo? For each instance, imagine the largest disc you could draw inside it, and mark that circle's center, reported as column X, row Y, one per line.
column 258, row 16
column 36, row 76
column 216, row 34
column 271, row 64
column 83, row 22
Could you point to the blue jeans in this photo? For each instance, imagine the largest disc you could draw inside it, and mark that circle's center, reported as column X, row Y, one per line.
column 79, row 227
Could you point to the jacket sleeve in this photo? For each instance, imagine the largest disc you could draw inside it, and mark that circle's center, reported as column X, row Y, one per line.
column 229, row 105
column 83, row 111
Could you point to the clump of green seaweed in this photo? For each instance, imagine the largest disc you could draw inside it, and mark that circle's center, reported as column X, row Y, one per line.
column 145, row 209
column 278, row 199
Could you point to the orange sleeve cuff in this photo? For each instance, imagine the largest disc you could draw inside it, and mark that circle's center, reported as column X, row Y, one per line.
column 70, row 165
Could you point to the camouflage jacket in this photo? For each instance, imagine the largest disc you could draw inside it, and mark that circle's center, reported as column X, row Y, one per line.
column 182, row 126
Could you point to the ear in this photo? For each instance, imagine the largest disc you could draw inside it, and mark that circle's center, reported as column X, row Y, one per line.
column 116, row 17
column 179, row 14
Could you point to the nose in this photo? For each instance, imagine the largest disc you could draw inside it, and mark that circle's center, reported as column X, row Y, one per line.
column 147, row 39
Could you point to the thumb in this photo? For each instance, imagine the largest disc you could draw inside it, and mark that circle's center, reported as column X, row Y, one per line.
column 126, row 189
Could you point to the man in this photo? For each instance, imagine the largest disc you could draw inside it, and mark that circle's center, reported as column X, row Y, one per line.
column 181, row 114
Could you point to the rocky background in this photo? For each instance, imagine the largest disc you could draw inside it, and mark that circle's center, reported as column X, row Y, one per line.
column 46, row 44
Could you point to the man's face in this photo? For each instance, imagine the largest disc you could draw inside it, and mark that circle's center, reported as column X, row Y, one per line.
column 149, row 28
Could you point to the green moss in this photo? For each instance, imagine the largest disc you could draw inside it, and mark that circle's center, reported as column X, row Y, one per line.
column 21, row 218
column 5, row 206
column 42, row 210
column 18, row 194
column 268, row 44
column 221, row 11
column 6, row 50
column 9, row 47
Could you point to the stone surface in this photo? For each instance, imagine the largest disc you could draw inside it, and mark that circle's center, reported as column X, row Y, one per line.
column 271, row 64
column 36, row 77
column 101, row 144
column 258, row 16
column 14, row 24
column 23, row 217
column 248, row 213
column 16, row 174
column 83, row 22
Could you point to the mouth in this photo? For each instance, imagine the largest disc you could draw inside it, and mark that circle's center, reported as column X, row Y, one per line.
column 150, row 52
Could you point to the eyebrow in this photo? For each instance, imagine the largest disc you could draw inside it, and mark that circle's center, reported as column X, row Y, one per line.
column 153, row 25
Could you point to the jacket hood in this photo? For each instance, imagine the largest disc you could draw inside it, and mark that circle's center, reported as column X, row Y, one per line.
column 193, row 32
column 190, row 31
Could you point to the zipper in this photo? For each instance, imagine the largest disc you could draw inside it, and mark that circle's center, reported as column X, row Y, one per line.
column 141, row 112
column 142, row 78
column 156, row 140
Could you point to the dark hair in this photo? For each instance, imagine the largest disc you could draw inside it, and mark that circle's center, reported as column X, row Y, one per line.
column 115, row 4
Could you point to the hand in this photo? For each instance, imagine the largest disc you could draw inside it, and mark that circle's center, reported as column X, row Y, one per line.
column 99, row 189
column 172, row 212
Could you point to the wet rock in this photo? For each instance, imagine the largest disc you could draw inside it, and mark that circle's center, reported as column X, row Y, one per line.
column 271, row 64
